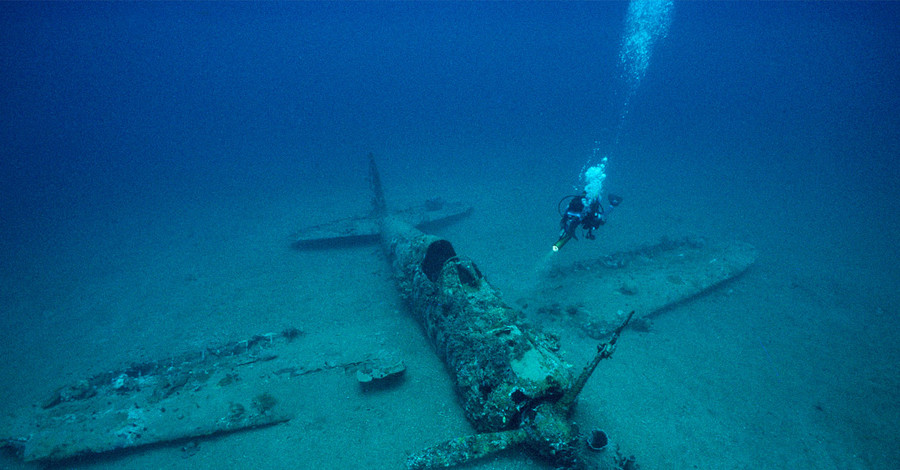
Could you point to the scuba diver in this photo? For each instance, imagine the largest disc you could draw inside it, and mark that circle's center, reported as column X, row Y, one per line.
column 581, row 211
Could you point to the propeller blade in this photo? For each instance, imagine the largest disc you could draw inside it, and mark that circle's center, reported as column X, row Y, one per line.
column 464, row 449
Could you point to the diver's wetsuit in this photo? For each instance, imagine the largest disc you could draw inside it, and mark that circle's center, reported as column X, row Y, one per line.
column 576, row 214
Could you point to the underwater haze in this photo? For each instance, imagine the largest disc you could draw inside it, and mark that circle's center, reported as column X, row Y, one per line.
column 157, row 158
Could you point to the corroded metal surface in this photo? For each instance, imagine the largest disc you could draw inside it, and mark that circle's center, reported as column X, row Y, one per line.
column 500, row 365
column 217, row 390
column 194, row 394
column 595, row 294
column 514, row 387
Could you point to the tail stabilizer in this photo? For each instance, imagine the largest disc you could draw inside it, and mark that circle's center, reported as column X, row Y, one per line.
column 379, row 205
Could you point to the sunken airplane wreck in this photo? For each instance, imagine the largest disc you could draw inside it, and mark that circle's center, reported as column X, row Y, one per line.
column 515, row 388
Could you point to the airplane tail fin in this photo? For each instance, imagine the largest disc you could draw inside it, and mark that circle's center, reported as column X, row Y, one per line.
column 379, row 205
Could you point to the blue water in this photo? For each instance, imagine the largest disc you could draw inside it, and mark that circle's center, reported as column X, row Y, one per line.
column 156, row 157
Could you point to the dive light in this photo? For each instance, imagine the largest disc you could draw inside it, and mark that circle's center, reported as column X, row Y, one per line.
column 562, row 241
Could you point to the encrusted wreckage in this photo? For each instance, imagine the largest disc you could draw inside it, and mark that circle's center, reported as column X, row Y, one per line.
column 513, row 385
